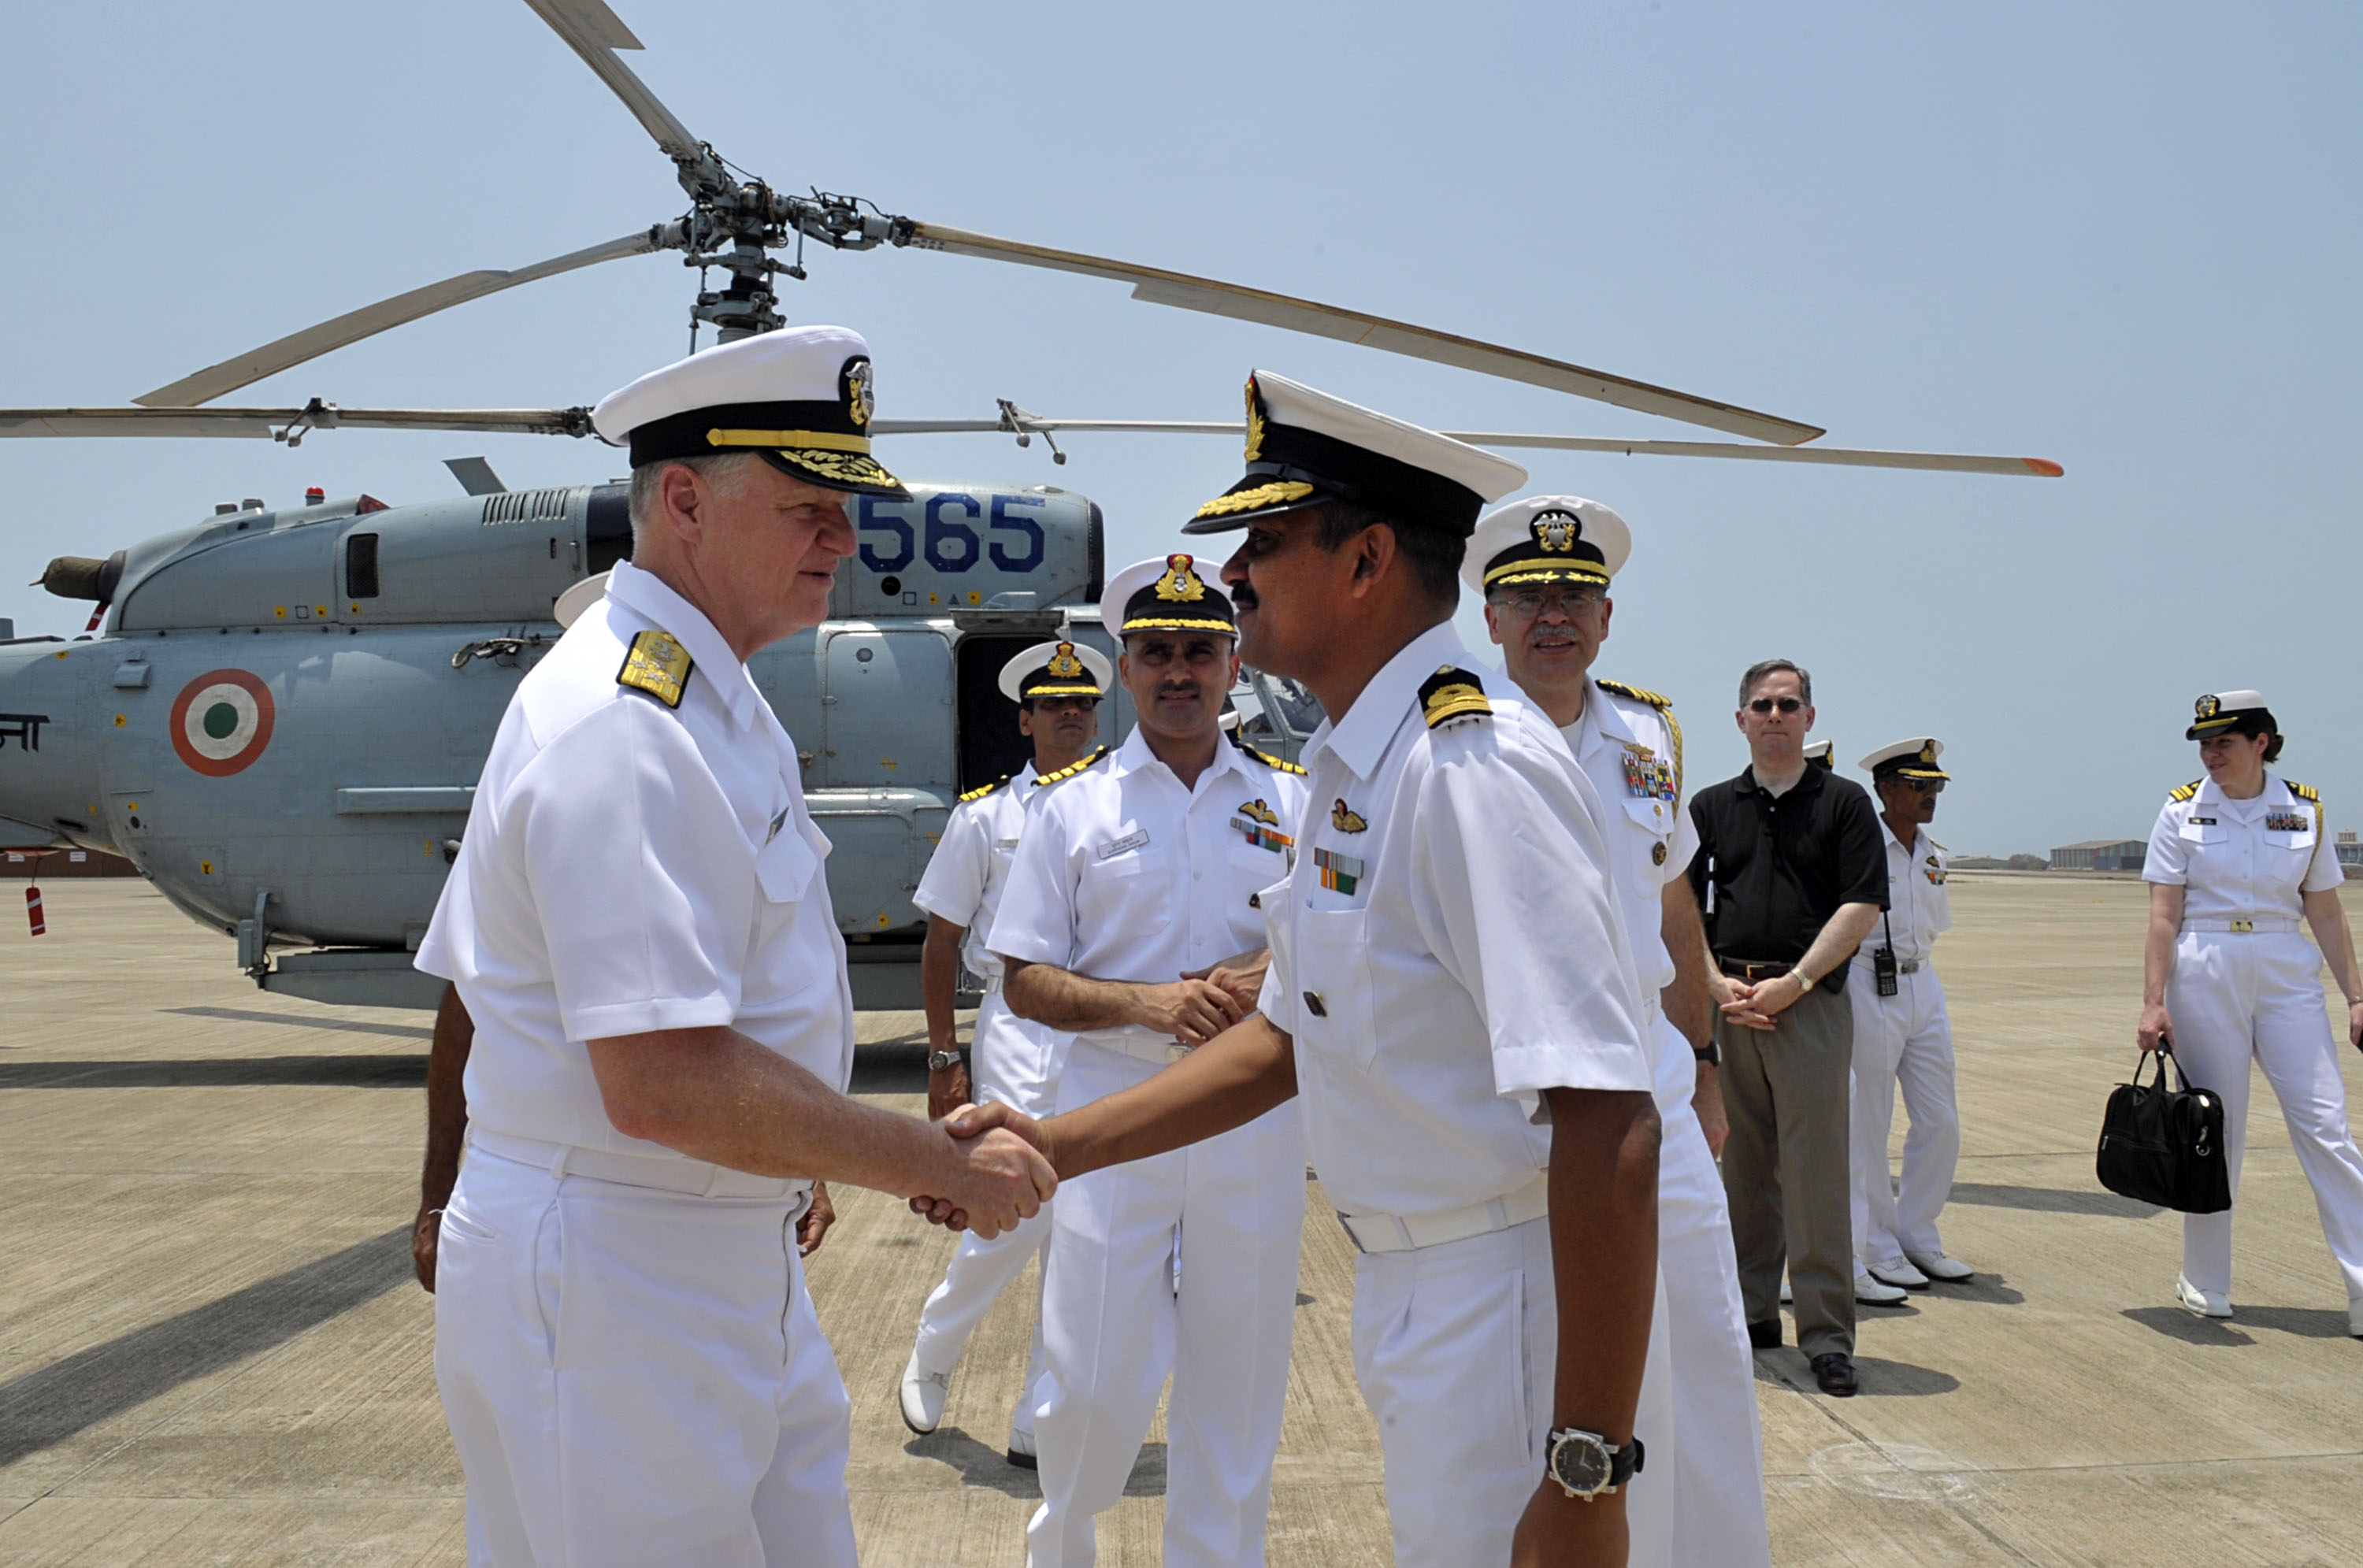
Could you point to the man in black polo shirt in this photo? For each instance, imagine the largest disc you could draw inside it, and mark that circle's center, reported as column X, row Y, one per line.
column 1791, row 875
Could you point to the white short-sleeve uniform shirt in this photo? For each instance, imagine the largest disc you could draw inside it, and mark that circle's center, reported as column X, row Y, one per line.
column 970, row 868
column 630, row 866
column 2243, row 859
column 1123, row 875
column 1447, row 947
column 1632, row 752
column 1919, row 907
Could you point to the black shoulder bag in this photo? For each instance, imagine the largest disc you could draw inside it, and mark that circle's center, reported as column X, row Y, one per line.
column 2165, row 1145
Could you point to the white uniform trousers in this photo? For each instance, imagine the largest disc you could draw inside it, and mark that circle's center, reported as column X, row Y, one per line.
column 1456, row 1347
column 1908, row 1039
column 2238, row 995
column 1113, row 1327
column 1716, row 1462
column 1016, row 1062
column 635, row 1376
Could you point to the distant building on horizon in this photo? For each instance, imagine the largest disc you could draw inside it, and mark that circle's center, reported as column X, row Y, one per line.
column 2350, row 853
column 2100, row 854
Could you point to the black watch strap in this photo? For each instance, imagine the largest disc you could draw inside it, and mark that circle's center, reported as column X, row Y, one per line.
column 1709, row 1055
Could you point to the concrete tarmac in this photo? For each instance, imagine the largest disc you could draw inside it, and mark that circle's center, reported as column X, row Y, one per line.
column 212, row 1349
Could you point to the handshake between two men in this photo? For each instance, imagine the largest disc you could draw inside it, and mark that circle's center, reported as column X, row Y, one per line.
column 1255, row 1071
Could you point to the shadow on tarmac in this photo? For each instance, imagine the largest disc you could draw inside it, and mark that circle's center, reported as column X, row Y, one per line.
column 342, row 1026
column 47, row 1406
column 222, row 1072
column 2052, row 1200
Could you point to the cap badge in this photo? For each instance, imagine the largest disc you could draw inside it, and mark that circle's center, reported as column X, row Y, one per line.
column 1344, row 819
column 1180, row 585
column 1556, row 531
column 1064, row 664
column 2207, row 707
column 1928, row 753
column 1255, row 421
column 858, row 401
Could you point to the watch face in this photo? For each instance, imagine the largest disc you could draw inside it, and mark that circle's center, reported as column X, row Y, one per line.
column 1581, row 1464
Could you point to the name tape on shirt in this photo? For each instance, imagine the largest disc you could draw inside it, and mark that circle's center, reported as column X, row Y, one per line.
column 1116, row 846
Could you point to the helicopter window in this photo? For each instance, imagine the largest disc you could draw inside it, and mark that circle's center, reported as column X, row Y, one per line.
column 360, row 566
column 1296, row 709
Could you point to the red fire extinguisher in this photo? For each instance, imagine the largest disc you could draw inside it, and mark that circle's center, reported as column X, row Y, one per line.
column 33, row 910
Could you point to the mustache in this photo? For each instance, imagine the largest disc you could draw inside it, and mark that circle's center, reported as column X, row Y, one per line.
column 1179, row 689
column 1243, row 597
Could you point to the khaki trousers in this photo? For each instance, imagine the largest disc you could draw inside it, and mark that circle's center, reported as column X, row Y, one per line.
column 1785, row 1166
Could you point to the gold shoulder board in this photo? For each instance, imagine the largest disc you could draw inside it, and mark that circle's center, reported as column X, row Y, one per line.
column 981, row 790
column 1065, row 773
column 2302, row 792
column 657, row 666
column 2185, row 791
column 1275, row 764
column 1638, row 693
column 1450, row 695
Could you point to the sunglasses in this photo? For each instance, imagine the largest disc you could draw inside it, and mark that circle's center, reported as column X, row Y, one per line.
column 1924, row 786
column 1765, row 705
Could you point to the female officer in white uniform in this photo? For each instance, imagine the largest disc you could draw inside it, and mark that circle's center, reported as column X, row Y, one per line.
column 2238, row 864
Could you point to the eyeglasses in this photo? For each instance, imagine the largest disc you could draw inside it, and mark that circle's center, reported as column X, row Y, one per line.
column 1765, row 705
column 1924, row 786
column 1528, row 602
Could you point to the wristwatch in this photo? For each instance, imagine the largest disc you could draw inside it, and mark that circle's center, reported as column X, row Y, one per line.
column 1804, row 981
column 945, row 1061
column 1707, row 1056
column 1584, row 1465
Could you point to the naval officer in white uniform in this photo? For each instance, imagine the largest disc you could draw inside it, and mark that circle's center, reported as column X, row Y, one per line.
column 1132, row 919
column 1057, row 687
column 1542, row 566
column 2240, row 864
column 640, row 927
column 1903, row 1034
column 1452, row 994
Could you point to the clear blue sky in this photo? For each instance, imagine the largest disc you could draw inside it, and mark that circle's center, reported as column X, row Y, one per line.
column 2124, row 237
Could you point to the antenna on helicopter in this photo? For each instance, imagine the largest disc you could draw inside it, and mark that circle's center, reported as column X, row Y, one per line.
column 1025, row 426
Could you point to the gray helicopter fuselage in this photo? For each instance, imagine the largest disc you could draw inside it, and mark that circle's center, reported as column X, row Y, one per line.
column 283, row 721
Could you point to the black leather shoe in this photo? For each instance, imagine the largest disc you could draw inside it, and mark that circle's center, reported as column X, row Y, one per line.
column 1833, row 1370
column 1764, row 1336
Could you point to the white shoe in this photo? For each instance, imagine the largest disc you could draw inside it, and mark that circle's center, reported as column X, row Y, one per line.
column 1936, row 1266
column 1872, row 1291
column 1022, row 1453
column 923, row 1396
column 1898, row 1273
column 2202, row 1303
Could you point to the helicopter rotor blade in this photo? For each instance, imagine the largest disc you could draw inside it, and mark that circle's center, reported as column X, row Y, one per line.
column 280, row 424
column 1022, row 423
column 1158, row 286
column 217, row 381
column 595, row 32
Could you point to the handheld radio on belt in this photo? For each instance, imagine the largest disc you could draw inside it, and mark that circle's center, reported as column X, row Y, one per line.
column 1883, row 959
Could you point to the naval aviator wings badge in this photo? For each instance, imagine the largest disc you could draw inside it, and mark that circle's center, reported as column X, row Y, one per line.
column 1260, row 825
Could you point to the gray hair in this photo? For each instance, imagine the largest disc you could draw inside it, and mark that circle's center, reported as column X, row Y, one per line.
column 1765, row 667
column 719, row 469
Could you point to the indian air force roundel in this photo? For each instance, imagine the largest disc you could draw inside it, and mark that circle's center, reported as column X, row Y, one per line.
column 221, row 722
